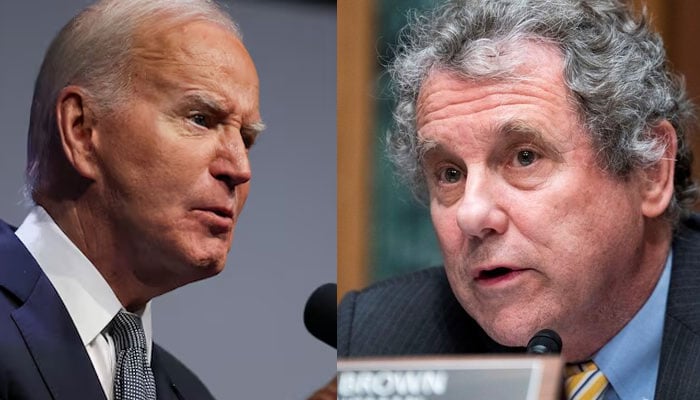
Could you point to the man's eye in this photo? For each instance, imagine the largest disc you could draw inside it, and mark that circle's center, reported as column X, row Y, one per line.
column 200, row 119
column 450, row 175
column 525, row 158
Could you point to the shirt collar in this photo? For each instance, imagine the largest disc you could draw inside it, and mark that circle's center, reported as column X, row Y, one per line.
column 89, row 299
column 630, row 360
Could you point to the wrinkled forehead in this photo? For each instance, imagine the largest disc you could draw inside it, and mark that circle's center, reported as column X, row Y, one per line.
column 520, row 62
column 195, row 56
column 191, row 45
column 501, row 60
column 527, row 101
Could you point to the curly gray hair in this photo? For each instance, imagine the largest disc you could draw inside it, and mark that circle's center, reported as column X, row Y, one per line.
column 615, row 68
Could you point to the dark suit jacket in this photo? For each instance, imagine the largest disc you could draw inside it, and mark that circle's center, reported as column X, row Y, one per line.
column 41, row 354
column 418, row 314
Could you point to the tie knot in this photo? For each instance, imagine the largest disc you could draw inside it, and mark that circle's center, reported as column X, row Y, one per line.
column 127, row 331
column 584, row 381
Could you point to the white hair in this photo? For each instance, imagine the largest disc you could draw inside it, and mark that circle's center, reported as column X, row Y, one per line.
column 94, row 51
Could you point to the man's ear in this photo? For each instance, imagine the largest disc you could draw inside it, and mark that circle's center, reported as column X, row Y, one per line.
column 76, row 121
column 657, row 189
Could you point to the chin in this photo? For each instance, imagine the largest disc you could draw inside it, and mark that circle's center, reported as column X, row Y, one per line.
column 209, row 265
column 209, row 252
column 508, row 336
column 511, row 330
column 195, row 270
column 198, row 264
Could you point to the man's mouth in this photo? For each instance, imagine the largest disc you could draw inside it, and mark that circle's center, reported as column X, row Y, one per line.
column 494, row 273
column 220, row 211
column 497, row 274
column 217, row 219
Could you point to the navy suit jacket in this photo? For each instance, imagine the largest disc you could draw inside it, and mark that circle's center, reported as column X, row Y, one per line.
column 41, row 354
column 418, row 314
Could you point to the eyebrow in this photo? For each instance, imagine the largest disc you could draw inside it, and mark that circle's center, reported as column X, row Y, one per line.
column 511, row 131
column 252, row 130
column 525, row 132
column 426, row 145
column 518, row 129
column 209, row 102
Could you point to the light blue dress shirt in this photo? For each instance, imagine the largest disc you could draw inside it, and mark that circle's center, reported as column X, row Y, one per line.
column 630, row 360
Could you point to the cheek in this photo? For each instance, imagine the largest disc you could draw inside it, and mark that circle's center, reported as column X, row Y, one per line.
column 570, row 212
column 580, row 236
column 452, row 242
column 175, row 168
column 446, row 229
column 156, row 182
column 130, row 161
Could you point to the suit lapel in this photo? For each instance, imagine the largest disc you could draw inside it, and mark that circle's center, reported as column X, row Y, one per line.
column 46, row 327
column 55, row 345
column 679, row 366
column 165, row 388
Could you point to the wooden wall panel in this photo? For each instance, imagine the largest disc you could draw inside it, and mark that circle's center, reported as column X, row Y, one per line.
column 356, row 60
column 682, row 36
column 678, row 21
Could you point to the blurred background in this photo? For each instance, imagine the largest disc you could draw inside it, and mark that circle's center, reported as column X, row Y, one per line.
column 242, row 331
column 382, row 230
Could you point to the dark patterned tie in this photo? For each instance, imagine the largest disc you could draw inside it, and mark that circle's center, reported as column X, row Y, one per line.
column 133, row 379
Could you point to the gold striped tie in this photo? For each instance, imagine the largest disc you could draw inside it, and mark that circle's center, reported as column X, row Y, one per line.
column 584, row 382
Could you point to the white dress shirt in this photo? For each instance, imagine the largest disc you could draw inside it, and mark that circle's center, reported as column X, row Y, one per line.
column 88, row 298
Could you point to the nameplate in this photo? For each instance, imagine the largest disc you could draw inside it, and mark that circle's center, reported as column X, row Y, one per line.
column 491, row 377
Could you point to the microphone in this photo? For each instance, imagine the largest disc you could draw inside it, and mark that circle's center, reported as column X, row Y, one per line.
column 545, row 341
column 321, row 314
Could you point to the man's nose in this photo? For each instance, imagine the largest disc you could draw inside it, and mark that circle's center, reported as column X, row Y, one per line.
column 232, row 165
column 480, row 214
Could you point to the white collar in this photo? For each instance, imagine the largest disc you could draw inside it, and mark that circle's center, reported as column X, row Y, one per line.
column 90, row 301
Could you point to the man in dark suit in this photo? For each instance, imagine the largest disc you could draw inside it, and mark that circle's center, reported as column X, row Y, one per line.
column 142, row 118
column 549, row 140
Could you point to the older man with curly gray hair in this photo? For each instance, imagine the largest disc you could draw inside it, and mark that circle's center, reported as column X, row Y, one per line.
column 549, row 139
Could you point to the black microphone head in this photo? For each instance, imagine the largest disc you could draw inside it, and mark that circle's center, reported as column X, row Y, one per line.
column 321, row 314
column 545, row 341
